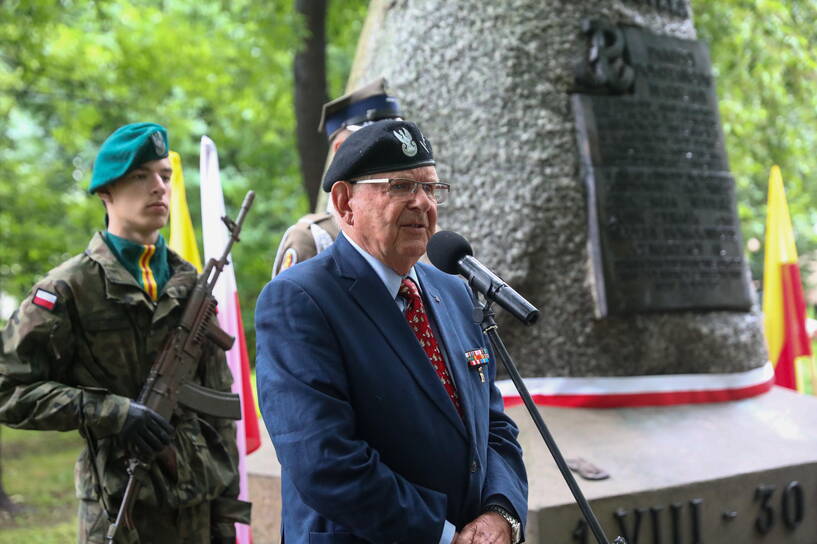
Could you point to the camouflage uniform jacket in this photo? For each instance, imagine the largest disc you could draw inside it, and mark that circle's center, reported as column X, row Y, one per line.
column 76, row 366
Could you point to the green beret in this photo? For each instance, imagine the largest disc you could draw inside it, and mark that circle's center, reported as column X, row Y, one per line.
column 128, row 147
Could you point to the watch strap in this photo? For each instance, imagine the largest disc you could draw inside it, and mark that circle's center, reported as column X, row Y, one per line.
column 516, row 526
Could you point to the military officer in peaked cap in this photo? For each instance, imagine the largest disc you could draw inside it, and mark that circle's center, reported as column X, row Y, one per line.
column 78, row 350
column 375, row 384
column 314, row 232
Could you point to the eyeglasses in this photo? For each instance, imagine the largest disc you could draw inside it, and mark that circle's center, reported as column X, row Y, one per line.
column 404, row 188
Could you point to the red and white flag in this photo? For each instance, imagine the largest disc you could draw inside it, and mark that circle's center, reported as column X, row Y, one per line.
column 44, row 299
column 632, row 391
column 215, row 236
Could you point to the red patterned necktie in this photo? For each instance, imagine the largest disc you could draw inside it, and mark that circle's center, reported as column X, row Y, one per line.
column 418, row 321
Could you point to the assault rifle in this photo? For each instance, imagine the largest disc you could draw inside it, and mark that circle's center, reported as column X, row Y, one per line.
column 169, row 382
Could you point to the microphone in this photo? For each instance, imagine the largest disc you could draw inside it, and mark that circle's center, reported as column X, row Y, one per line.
column 452, row 254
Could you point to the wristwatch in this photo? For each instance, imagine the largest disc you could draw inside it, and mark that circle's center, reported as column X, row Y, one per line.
column 516, row 527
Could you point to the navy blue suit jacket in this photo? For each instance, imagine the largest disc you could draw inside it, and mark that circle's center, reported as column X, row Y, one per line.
column 371, row 447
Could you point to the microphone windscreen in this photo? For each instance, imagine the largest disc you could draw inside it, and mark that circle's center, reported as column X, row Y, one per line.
column 446, row 248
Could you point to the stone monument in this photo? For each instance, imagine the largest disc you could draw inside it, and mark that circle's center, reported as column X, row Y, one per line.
column 583, row 143
column 495, row 86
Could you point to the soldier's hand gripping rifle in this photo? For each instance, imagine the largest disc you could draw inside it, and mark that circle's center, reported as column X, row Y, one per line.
column 169, row 382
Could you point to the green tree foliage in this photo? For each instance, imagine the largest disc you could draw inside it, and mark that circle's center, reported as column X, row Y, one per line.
column 72, row 71
column 765, row 65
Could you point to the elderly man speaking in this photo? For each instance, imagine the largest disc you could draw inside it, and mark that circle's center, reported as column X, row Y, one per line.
column 386, row 429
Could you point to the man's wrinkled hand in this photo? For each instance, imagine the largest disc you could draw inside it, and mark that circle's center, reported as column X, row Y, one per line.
column 489, row 528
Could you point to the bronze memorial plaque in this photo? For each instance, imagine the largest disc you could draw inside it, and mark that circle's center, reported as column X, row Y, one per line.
column 663, row 225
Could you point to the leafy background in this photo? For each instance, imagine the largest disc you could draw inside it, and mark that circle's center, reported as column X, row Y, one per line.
column 765, row 65
column 72, row 70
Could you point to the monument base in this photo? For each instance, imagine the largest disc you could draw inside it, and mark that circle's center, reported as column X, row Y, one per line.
column 264, row 480
column 739, row 472
column 736, row 472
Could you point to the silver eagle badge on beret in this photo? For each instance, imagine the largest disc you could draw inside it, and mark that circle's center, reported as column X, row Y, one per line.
column 409, row 146
column 158, row 143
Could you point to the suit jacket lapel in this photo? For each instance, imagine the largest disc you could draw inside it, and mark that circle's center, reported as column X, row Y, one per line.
column 369, row 292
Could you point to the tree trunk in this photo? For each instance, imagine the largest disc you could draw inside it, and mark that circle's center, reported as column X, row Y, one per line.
column 310, row 95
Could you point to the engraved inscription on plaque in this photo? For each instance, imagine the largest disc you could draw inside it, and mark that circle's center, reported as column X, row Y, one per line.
column 664, row 230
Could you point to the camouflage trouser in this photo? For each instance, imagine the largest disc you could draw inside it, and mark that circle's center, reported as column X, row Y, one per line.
column 154, row 526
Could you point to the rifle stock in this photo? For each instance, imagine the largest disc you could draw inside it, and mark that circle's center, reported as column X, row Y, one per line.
column 169, row 382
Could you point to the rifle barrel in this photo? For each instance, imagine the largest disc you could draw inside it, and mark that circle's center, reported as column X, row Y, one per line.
column 235, row 229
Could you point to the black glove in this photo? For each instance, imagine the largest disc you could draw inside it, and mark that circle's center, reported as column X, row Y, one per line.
column 222, row 540
column 145, row 430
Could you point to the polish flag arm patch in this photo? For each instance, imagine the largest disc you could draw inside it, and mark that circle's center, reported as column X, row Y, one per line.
column 45, row 299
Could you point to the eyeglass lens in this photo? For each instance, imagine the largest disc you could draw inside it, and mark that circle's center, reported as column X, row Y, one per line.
column 404, row 188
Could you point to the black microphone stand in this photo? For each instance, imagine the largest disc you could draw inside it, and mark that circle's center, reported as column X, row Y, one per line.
column 490, row 328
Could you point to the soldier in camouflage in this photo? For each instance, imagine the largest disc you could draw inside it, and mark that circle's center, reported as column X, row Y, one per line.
column 78, row 351
column 314, row 232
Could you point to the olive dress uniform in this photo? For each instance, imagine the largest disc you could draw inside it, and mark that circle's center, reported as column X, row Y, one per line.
column 315, row 232
column 312, row 234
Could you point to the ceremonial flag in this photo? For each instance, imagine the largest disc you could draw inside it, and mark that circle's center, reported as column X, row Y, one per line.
column 216, row 235
column 182, row 235
column 784, row 306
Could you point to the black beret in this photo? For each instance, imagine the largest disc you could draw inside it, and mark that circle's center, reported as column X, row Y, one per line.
column 384, row 146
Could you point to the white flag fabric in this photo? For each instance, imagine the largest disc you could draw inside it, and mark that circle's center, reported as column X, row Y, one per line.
column 215, row 236
column 632, row 391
